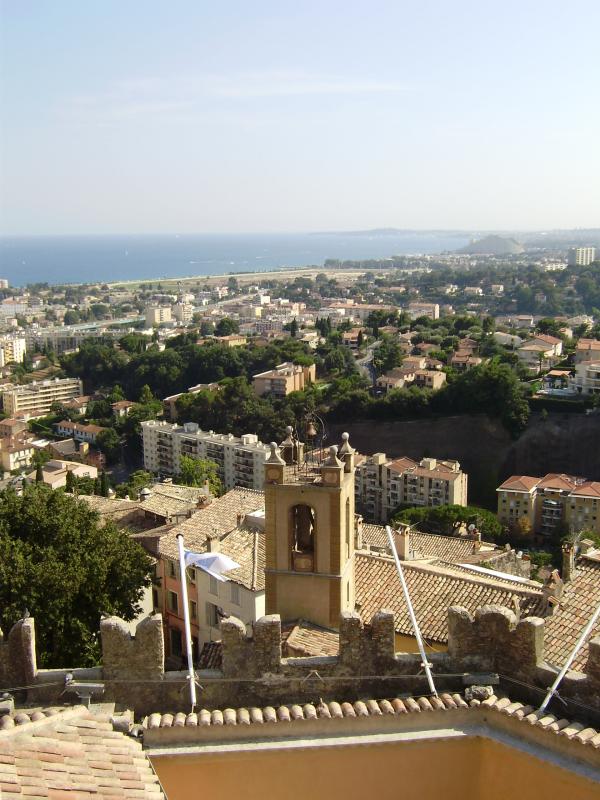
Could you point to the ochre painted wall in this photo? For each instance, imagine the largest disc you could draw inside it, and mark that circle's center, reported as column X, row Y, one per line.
column 454, row 769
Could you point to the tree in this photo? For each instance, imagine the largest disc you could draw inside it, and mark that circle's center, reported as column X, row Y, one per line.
column 104, row 484
column 227, row 326
column 146, row 396
column 197, row 471
column 39, row 474
column 293, row 328
column 69, row 482
column 67, row 568
column 442, row 519
column 109, row 443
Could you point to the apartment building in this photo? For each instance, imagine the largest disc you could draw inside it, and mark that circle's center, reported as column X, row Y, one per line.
column 587, row 377
column 581, row 256
column 431, row 310
column 240, row 460
column 282, row 380
column 382, row 484
column 15, row 453
column 12, row 350
column 587, row 350
column 59, row 339
column 553, row 502
column 182, row 312
column 35, row 399
column 156, row 315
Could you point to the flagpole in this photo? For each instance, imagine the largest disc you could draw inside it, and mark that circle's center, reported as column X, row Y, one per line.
column 186, row 619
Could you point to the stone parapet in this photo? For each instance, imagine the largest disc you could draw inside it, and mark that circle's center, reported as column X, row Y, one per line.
column 18, row 666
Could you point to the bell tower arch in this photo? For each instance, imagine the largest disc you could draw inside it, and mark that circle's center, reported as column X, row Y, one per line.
column 309, row 526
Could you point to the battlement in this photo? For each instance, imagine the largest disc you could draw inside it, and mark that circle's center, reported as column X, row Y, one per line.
column 124, row 655
column 493, row 640
column 18, row 665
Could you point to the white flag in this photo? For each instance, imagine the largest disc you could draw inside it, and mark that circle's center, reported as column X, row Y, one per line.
column 213, row 563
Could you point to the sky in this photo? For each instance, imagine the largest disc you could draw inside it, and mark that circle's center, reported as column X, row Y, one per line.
column 186, row 116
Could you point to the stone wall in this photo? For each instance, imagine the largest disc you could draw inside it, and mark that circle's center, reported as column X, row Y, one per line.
column 18, row 665
column 253, row 671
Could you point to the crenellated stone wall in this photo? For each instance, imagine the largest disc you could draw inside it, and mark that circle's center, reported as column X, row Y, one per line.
column 253, row 671
column 18, row 666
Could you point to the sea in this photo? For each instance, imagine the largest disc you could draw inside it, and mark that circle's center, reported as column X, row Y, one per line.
column 89, row 259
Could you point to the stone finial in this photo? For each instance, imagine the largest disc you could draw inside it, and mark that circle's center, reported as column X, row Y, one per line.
column 345, row 449
column 274, row 457
column 333, row 460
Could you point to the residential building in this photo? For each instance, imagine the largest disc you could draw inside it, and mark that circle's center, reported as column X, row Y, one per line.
column 79, row 432
column 157, row 315
column 587, row 377
column 581, row 256
column 537, row 357
column 464, row 361
column 232, row 340
column 9, row 428
column 352, row 338
column 12, row 350
column 431, row 310
column 182, row 312
column 551, row 342
column 16, row 453
column 54, row 472
column 35, row 399
column 282, row 380
column 122, row 408
column 240, row 460
column 587, row 350
column 548, row 504
column 383, row 484
column 429, row 379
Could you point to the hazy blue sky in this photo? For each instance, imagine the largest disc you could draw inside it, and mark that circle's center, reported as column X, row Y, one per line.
column 190, row 116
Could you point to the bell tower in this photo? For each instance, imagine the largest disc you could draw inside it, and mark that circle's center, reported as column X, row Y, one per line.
column 309, row 526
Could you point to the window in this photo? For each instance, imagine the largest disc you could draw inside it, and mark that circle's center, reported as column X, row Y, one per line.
column 214, row 586
column 155, row 599
column 193, row 609
column 235, row 594
column 176, row 649
column 173, row 602
column 172, row 570
column 212, row 616
column 191, row 574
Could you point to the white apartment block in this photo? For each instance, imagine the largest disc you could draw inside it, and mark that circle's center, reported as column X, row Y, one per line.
column 581, row 256
column 12, row 350
column 182, row 312
column 587, row 377
column 382, row 484
column 35, row 399
column 240, row 460
column 156, row 315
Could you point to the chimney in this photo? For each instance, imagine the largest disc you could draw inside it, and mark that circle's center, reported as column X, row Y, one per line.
column 213, row 544
column 402, row 542
column 552, row 591
column 239, row 519
column 568, row 561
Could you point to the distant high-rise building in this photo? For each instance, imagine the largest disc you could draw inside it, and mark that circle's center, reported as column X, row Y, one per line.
column 156, row 315
column 581, row 256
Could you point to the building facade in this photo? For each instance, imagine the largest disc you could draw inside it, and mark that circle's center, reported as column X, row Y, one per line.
column 12, row 350
column 581, row 256
column 382, row 484
column 284, row 379
column 35, row 399
column 545, row 506
column 240, row 460
column 156, row 315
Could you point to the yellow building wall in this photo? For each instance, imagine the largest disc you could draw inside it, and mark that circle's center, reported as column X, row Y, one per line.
column 452, row 769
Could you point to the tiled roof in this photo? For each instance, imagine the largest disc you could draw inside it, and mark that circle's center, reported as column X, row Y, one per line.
column 219, row 517
column 447, row 701
column 580, row 598
column 426, row 545
column 400, row 464
column 302, row 638
column 564, row 482
column 505, row 579
column 432, row 591
column 246, row 545
column 519, row 483
column 211, row 656
column 75, row 753
column 167, row 500
column 588, row 489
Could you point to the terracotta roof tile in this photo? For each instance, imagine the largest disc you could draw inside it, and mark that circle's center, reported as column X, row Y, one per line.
column 580, row 597
column 74, row 753
column 432, row 591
